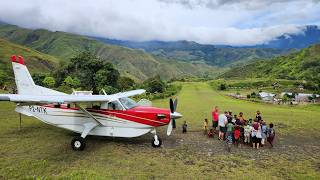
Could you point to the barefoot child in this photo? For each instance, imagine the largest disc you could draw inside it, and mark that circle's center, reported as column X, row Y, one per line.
column 205, row 126
column 271, row 134
column 263, row 133
column 211, row 133
column 247, row 133
column 184, row 127
column 237, row 134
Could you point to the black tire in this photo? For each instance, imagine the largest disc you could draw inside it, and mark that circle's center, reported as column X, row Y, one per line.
column 78, row 144
column 156, row 144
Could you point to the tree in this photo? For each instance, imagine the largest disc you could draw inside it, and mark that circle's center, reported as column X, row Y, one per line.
column 155, row 84
column 91, row 72
column 125, row 83
column 253, row 95
column 68, row 81
column 38, row 78
column 72, row 82
column 222, row 87
column 107, row 76
column 110, row 89
column 285, row 98
column 49, row 82
column 3, row 77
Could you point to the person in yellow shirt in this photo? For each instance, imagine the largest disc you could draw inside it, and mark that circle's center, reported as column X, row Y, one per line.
column 205, row 126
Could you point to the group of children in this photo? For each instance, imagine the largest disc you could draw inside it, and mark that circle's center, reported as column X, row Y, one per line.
column 237, row 130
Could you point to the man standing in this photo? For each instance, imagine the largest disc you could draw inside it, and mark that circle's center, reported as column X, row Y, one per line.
column 222, row 125
column 215, row 117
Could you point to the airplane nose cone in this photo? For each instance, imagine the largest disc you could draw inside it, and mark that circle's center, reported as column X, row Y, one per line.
column 175, row 115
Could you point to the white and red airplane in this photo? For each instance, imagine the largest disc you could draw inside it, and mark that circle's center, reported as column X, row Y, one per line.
column 113, row 115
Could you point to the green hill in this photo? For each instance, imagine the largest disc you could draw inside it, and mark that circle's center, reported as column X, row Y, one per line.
column 302, row 65
column 36, row 61
column 133, row 63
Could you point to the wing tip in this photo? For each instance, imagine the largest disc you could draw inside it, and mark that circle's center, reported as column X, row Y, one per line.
column 4, row 98
column 17, row 59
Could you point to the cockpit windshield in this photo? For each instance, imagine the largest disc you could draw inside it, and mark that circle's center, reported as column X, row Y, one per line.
column 128, row 103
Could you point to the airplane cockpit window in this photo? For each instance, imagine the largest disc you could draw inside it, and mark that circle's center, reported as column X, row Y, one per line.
column 128, row 103
column 114, row 105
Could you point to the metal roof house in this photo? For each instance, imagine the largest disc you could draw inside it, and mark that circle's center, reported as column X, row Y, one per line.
column 265, row 96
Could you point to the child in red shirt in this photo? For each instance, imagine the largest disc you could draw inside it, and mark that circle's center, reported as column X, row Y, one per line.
column 237, row 134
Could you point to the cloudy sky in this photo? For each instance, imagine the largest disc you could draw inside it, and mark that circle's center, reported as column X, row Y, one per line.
column 232, row 22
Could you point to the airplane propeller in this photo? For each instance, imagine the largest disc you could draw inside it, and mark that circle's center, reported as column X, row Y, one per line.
column 173, row 115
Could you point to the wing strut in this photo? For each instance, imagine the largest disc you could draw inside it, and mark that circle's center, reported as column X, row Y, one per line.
column 91, row 125
column 89, row 114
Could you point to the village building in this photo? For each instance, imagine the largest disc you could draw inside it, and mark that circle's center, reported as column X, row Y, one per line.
column 265, row 96
column 301, row 87
column 302, row 97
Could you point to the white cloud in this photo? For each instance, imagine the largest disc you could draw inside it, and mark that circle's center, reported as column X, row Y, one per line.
column 233, row 22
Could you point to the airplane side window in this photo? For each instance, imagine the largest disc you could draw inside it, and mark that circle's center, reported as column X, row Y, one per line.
column 114, row 105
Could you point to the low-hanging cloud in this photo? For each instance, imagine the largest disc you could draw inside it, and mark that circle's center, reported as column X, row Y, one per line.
column 232, row 22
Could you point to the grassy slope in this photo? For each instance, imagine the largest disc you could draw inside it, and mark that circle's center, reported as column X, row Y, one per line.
column 44, row 151
column 36, row 61
column 304, row 64
column 134, row 63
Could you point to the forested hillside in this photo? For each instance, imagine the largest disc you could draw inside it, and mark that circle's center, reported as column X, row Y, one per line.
column 302, row 65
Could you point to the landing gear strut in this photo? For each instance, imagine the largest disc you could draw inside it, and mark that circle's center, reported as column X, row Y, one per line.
column 156, row 141
column 78, row 144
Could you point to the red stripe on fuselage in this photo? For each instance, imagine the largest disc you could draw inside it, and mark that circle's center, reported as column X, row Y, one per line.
column 142, row 115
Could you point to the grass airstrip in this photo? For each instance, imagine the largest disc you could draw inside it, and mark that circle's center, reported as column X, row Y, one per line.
column 39, row 150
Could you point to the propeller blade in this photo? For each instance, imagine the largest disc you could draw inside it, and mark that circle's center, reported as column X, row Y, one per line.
column 169, row 129
column 171, row 106
column 175, row 104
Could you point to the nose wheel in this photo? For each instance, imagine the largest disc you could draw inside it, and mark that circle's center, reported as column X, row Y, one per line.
column 78, row 144
column 156, row 141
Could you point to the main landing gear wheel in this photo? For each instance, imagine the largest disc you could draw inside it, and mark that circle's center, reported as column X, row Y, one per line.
column 156, row 142
column 78, row 143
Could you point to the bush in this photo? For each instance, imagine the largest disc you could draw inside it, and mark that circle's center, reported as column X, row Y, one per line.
column 49, row 82
column 110, row 89
column 38, row 78
column 125, row 83
column 222, row 87
column 64, row 88
column 155, row 85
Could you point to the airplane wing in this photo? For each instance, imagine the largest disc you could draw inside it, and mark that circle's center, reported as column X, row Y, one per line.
column 47, row 99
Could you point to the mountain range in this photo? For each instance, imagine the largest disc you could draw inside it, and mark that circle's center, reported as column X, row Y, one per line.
column 308, row 36
column 133, row 63
column 140, row 60
column 194, row 52
column 224, row 55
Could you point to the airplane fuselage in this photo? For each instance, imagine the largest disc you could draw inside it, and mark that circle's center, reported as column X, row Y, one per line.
column 116, row 123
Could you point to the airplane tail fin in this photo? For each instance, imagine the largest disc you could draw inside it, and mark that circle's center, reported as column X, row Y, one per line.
column 24, row 81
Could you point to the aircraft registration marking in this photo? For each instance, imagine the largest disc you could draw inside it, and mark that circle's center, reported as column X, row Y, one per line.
column 38, row 109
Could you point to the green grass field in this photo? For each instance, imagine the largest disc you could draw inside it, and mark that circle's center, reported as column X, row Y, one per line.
column 42, row 151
